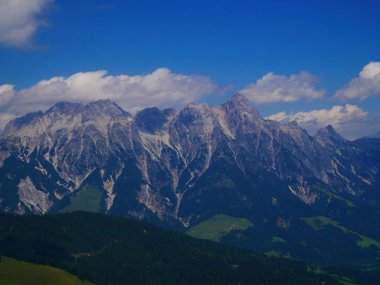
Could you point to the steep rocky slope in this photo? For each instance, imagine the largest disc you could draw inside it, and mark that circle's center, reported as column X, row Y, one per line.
column 178, row 168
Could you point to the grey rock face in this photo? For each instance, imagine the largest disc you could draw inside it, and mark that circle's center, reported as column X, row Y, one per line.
column 154, row 165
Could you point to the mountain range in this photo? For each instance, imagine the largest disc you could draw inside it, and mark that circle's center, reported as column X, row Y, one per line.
column 307, row 197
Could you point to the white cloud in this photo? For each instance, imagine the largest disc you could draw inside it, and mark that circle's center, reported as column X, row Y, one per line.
column 5, row 118
column 162, row 88
column 365, row 85
column 6, row 92
column 19, row 21
column 348, row 120
column 272, row 88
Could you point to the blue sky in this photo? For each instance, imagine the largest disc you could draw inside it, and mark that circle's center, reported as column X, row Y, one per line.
column 221, row 47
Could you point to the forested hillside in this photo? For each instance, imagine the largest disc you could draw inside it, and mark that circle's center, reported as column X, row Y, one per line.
column 113, row 250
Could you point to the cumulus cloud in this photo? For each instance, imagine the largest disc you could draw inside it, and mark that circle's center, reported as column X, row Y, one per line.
column 19, row 21
column 5, row 118
column 6, row 92
column 348, row 120
column 160, row 88
column 365, row 85
column 272, row 88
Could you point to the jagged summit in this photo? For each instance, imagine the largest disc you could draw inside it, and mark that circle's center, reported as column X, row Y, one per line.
column 162, row 153
column 238, row 103
column 103, row 106
column 239, row 98
column 20, row 122
column 330, row 129
column 106, row 106
column 329, row 134
column 152, row 119
column 149, row 119
column 294, row 123
column 66, row 108
column 66, row 116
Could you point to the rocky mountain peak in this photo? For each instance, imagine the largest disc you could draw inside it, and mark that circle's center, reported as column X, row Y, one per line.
column 19, row 123
column 151, row 119
column 104, row 106
column 107, row 107
column 239, row 98
column 328, row 135
column 194, row 113
column 67, row 116
column 238, row 103
column 328, row 132
column 66, row 108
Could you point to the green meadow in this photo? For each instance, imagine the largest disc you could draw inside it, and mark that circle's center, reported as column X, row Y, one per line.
column 320, row 222
column 14, row 272
column 88, row 199
column 218, row 226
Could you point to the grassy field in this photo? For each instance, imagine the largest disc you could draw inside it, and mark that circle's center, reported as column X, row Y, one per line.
column 13, row 272
column 218, row 226
column 88, row 199
column 344, row 280
column 277, row 239
column 365, row 242
column 273, row 253
column 333, row 195
column 320, row 222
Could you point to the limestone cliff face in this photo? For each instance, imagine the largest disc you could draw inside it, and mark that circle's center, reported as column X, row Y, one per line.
column 176, row 166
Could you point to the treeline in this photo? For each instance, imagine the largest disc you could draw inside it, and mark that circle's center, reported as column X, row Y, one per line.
column 113, row 250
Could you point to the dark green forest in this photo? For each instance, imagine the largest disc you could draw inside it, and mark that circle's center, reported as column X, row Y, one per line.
column 114, row 250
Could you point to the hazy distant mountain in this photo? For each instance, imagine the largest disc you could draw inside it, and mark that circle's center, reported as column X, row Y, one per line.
column 179, row 168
